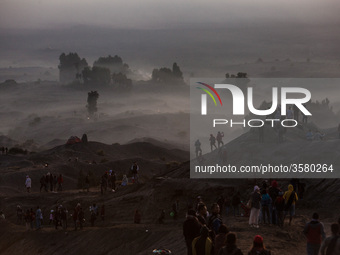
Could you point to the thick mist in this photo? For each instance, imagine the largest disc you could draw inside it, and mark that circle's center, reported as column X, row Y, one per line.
column 44, row 112
column 208, row 50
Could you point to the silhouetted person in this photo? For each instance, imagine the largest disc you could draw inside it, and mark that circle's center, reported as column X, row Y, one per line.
column 258, row 247
column 198, row 147
column 175, row 209
column 215, row 220
column 331, row 243
column 202, row 213
column 191, row 229
column 255, row 207
column 112, row 180
column 290, row 198
column 75, row 216
column 220, row 238
column 93, row 215
column 28, row 183
column 219, row 137
column 212, row 140
column 266, row 202
column 43, row 183
column 135, row 172
column 103, row 183
column 230, row 247
column 314, row 231
column 203, row 244
column 84, row 138
column 55, row 183
column 60, row 182
column 38, row 217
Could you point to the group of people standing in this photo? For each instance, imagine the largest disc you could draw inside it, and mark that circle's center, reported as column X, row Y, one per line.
column 108, row 179
column 271, row 205
column 205, row 234
column 34, row 219
column 212, row 140
column 48, row 182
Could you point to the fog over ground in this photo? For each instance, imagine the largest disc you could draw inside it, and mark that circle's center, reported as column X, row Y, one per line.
column 203, row 37
column 205, row 50
column 206, row 39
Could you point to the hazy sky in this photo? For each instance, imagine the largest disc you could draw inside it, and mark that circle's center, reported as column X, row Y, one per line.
column 145, row 14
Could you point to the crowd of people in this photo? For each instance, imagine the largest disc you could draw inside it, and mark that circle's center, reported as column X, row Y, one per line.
column 34, row 219
column 54, row 183
column 59, row 217
column 205, row 233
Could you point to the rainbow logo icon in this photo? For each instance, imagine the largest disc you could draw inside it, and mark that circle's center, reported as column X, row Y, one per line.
column 209, row 93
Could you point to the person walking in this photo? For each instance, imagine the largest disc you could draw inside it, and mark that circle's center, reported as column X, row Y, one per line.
column 191, row 229
column 135, row 172
column 212, row 140
column 290, row 198
column 38, row 217
column 28, row 184
column 255, row 207
column 314, row 231
column 198, row 147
